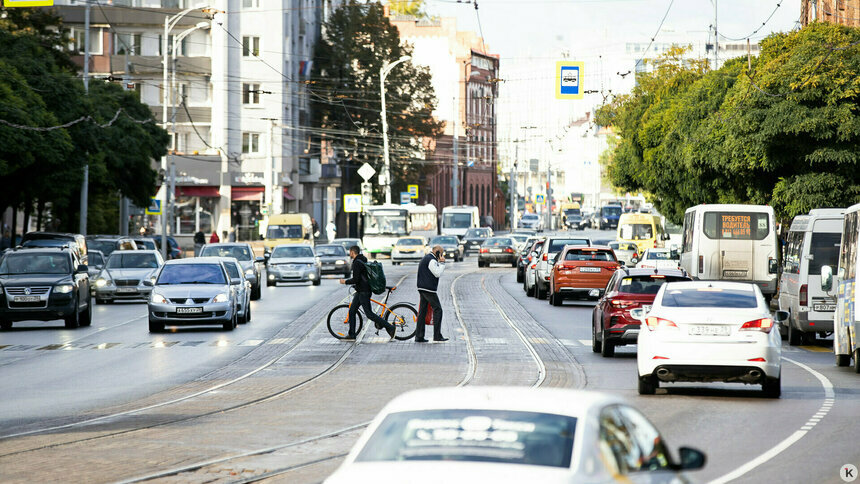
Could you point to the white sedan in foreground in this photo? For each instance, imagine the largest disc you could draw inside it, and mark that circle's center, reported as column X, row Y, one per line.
column 511, row 435
column 709, row 331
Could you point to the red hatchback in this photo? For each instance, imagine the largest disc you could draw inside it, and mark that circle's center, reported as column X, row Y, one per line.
column 611, row 323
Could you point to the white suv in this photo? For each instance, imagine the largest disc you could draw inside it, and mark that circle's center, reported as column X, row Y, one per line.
column 551, row 247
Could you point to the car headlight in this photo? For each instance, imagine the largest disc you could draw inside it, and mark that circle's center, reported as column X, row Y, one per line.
column 64, row 288
column 340, row 263
column 249, row 272
column 101, row 282
column 158, row 298
column 605, row 219
column 220, row 298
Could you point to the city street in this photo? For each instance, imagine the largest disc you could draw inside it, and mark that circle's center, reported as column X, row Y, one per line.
column 280, row 398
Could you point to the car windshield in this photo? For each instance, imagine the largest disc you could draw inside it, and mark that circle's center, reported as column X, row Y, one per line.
column 131, row 260
column 649, row 284
column 477, row 233
column 503, row 436
column 636, row 231
column 104, row 246
column 572, row 212
column 530, row 216
column 710, row 297
column 239, row 252
column 555, row 245
column 383, row 222
column 410, row 242
column 23, row 263
column 444, row 241
column 191, row 274
column 498, row 242
column 331, row 250
column 659, row 255
column 292, row 252
column 611, row 211
column 456, row 220
column 347, row 243
column 824, row 250
column 95, row 259
column 589, row 255
column 284, row 232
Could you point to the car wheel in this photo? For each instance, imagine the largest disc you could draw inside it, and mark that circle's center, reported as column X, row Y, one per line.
column 270, row 283
column 648, row 385
column 530, row 291
column 248, row 314
column 73, row 320
column 87, row 318
column 608, row 349
column 4, row 325
column 155, row 327
column 541, row 292
column 843, row 360
column 256, row 292
column 795, row 337
column 556, row 299
column 317, row 281
column 514, row 264
column 230, row 325
column 520, row 276
column 595, row 343
column 772, row 387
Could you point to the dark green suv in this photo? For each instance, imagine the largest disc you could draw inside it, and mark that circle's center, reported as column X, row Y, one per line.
column 44, row 284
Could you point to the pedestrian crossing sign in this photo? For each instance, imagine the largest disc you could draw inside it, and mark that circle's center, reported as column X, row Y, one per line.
column 154, row 207
column 539, row 198
column 352, row 203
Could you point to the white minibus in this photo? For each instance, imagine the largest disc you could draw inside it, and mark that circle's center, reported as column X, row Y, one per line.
column 731, row 243
column 846, row 327
column 812, row 242
column 456, row 220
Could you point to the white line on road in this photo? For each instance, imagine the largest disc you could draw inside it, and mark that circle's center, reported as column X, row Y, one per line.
column 829, row 397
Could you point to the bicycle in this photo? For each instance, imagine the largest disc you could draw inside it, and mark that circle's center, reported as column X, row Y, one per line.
column 402, row 315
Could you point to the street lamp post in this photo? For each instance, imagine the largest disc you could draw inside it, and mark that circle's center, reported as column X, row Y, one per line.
column 383, row 72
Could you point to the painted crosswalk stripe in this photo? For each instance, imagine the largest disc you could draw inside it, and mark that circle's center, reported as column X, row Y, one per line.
column 251, row 342
column 279, row 341
column 569, row 342
column 494, row 341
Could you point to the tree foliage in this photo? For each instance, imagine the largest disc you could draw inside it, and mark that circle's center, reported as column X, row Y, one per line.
column 783, row 131
column 358, row 41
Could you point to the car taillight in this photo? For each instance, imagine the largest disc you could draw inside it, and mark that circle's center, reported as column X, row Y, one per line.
column 534, row 265
column 509, row 250
column 655, row 243
column 764, row 325
column 701, row 264
column 622, row 304
column 654, row 323
column 544, row 257
column 804, row 295
column 484, row 251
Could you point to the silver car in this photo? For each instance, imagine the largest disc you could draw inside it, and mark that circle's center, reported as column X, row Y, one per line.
column 627, row 252
column 124, row 275
column 293, row 263
column 242, row 287
column 244, row 253
column 192, row 292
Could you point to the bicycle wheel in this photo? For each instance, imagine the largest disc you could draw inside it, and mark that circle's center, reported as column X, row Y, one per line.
column 404, row 317
column 338, row 321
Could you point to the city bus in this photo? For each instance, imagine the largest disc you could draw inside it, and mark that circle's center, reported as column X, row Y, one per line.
column 731, row 243
column 456, row 220
column 383, row 225
column 842, row 286
column 424, row 220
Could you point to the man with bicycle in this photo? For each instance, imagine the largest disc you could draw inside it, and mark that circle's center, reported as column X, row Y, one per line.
column 429, row 270
column 362, row 294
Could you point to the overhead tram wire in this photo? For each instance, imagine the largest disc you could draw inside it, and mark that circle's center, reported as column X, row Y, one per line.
column 778, row 4
column 654, row 37
column 74, row 122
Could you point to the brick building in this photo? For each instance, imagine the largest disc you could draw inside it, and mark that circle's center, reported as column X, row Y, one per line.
column 844, row 12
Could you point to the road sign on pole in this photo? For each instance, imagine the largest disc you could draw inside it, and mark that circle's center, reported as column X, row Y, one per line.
column 352, row 203
column 539, row 198
column 405, row 198
column 568, row 80
column 154, row 207
column 413, row 191
column 366, row 171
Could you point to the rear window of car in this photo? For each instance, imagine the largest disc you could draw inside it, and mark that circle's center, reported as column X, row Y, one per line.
column 646, row 284
column 498, row 242
column 589, row 255
column 555, row 245
column 709, row 297
column 482, row 233
column 502, row 436
column 659, row 255
column 824, row 250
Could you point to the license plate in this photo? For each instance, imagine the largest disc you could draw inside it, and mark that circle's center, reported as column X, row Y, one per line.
column 589, row 269
column 826, row 308
column 495, row 250
column 734, row 273
column 292, row 274
column 189, row 310
column 709, row 330
column 27, row 299
column 126, row 289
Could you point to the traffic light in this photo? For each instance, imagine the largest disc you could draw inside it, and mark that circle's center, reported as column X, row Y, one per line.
column 366, row 193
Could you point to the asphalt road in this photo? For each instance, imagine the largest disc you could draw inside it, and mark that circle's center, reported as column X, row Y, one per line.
column 52, row 375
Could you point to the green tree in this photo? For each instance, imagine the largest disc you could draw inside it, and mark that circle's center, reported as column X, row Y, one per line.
column 359, row 40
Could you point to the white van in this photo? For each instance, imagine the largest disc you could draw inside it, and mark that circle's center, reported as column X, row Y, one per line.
column 812, row 242
column 456, row 220
column 731, row 243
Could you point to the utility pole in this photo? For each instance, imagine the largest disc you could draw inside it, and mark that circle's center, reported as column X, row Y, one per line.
column 716, row 39
column 548, row 198
column 514, row 192
column 85, row 185
column 455, row 178
column 383, row 72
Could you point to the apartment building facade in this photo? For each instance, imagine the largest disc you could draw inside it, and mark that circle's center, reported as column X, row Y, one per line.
column 844, row 12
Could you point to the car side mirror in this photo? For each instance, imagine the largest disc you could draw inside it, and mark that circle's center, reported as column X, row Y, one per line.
column 235, row 281
column 621, row 263
column 638, row 314
column 780, row 316
column 82, row 269
column 826, row 278
column 772, row 266
column 259, row 259
column 691, row 459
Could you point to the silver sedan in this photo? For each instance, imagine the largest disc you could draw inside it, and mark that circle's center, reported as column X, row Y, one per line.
column 124, row 275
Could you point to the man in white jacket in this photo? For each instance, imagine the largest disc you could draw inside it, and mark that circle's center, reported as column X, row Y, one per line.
column 429, row 270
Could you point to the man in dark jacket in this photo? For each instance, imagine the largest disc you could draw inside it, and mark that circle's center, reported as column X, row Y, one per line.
column 362, row 294
column 429, row 270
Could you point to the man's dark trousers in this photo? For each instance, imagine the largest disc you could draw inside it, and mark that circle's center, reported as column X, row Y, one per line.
column 433, row 300
column 363, row 299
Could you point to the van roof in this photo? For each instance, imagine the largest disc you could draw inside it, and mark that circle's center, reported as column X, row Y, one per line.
column 732, row 207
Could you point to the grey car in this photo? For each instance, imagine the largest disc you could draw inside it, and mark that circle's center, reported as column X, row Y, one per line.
column 124, row 275
column 293, row 263
column 95, row 263
column 450, row 244
column 244, row 253
column 192, row 292
column 242, row 287
column 334, row 259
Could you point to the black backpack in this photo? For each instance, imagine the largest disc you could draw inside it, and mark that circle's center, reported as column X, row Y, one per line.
column 375, row 276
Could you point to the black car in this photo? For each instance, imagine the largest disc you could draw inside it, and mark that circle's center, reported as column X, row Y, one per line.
column 498, row 250
column 75, row 242
column 334, row 259
column 174, row 250
column 44, row 284
column 450, row 244
column 473, row 238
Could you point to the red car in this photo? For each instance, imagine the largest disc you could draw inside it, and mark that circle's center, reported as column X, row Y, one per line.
column 611, row 323
column 580, row 272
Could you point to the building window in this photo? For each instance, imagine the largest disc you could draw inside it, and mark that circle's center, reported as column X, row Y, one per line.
column 127, row 44
column 78, row 37
column 250, row 46
column 250, row 142
column 250, row 93
column 250, row 3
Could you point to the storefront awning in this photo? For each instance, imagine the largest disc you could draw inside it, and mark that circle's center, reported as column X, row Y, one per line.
column 197, row 191
column 287, row 194
column 247, row 194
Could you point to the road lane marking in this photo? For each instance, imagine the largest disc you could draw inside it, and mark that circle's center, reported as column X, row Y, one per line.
column 585, row 342
column 280, row 341
column 251, row 342
column 816, row 349
column 829, row 398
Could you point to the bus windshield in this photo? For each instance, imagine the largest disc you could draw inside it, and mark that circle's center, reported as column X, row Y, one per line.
column 389, row 222
column 456, row 220
column 636, row 231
